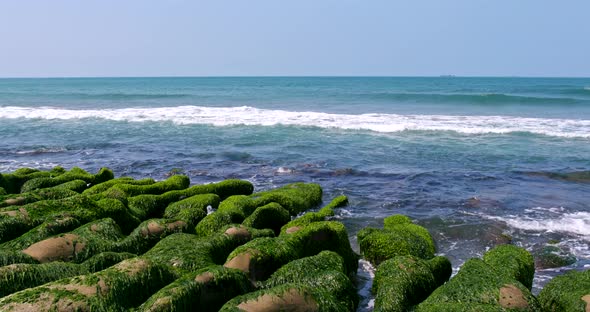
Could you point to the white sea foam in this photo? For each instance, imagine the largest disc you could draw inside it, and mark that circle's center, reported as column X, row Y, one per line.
column 556, row 221
column 228, row 116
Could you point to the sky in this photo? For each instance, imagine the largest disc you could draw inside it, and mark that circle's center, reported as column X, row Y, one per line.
column 91, row 38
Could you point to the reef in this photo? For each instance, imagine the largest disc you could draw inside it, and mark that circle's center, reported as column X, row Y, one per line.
column 71, row 240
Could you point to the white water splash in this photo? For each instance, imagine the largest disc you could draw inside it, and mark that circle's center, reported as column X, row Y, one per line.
column 250, row 116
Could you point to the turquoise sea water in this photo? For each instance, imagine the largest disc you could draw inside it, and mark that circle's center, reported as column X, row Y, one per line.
column 469, row 158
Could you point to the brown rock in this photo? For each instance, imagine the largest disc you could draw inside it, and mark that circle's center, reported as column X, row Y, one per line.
column 61, row 248
column 512, row 297
column 292, row 300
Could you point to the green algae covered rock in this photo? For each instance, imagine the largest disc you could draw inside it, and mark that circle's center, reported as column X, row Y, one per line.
column 204, row 290
column 324, row 272
column 479, row 287
column 177, row 182
column 74, row 174
column 569, row 292
column 150, row 205
column 271, row 216
column 58, row 192
column 514, row 262
column 12, row 182
column 405, row 281
column 101, row 187
column 552, row 256
column 399, row 237
column 193, row 209
column 321, row 215
column 121, row 287
column 261, row 257
column 294, row 198
column 186, row 252
column 21, row 276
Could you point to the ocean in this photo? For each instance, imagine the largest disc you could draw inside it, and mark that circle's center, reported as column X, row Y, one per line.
column 477, row 161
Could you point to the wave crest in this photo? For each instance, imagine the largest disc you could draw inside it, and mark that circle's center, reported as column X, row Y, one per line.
column 250, row 116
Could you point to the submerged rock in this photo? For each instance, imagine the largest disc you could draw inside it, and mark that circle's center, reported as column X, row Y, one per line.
column 553, row 256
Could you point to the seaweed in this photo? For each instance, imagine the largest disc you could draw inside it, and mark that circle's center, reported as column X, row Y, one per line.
column 204, row 290
column 569, row 292
column 321, row 215
column 399, row 237
column 404, row 281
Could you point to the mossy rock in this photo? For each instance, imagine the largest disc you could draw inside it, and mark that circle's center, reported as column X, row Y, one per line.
column 330, row 291
column 12, row 182
column 177, row 182
column 101, row 187
column 259, row 258
column 105, row 260
column 150, row 205
column 204, row 290
column 404, row 281
column 121, row 287
column 148, row 233
column 271, row 216
column 568, row 292
column 514, row 262
column 193, row 209
column 399, row 237
column 551, row 256
column 16, row 277
column 294, row 198
column 74, row 174
column 321, row 215
column 478, row 286
column 188, row 253
column 58, row 192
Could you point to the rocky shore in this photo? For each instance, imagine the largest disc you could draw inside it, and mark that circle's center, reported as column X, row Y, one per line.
column 76, row 241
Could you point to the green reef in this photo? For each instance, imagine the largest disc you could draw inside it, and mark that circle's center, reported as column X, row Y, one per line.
column 71, row 240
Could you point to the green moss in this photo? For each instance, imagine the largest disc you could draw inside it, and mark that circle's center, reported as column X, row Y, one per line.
column 177, row 182
column 2, row 190
column 400, row 237
column 8, row 257
column 101, row 187
column 564, row 293
column 271, row 216
column 144, row 206
column 477, row 283
column 330, row 291
column 12, row 182
column 21, row 276
column 266, row 255
column 321, row 215
column 148, row 233
column 105, row 260
column 404, row 281
column 37, row 195
column 74, row 174
column 204, row 290
column 294, row 198
column 305, row 269
column 187, row 252
column 513, row 261
column 60, row 224
column 193, row 209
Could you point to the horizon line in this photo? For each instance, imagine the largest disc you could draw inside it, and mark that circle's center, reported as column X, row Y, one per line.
column 295, row 76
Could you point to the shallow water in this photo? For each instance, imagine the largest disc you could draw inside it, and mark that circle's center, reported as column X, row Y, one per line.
column 465, row 157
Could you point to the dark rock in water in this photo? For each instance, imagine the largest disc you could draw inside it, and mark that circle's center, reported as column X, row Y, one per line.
column 493, row 284
column 399, row 237
column 551, row 256
column 577, row 176
column 569, row 292
column 405, row 281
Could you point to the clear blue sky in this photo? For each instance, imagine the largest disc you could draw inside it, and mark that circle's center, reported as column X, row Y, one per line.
column 305, row 37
